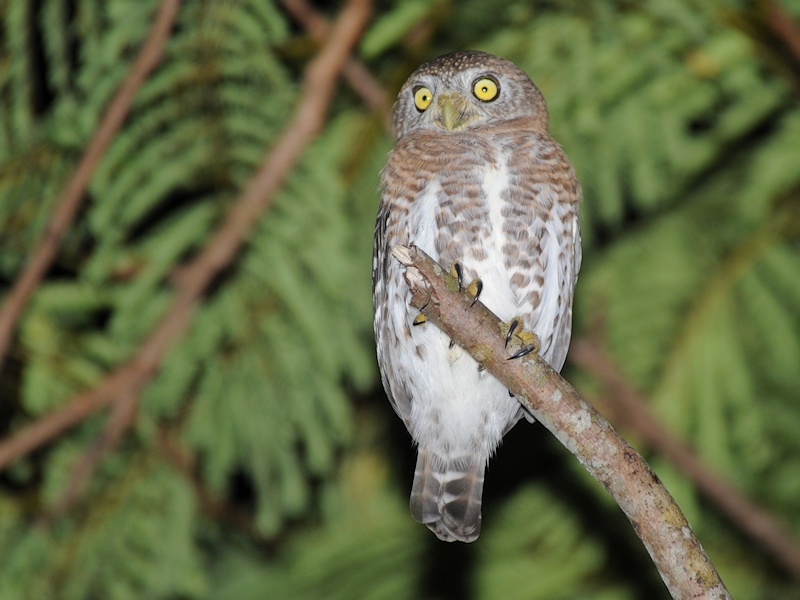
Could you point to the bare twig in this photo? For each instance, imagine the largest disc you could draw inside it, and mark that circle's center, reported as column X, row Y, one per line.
column 210, row 503
column 775, row 34
column 355, row 73
column 627, row 408
column 121, row 418
column 70, row 200
column 657, row 520
column 784, row 28
column 318, row 86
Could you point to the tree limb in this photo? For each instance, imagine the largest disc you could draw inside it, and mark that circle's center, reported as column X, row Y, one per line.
column 123, row 415
column 70, row 200
column 318, row 86
column 354, row 72
column 657, row 520
column 630, row 411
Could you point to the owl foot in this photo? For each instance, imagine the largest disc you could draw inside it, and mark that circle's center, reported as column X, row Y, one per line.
column 521, row 342
column 474, row 288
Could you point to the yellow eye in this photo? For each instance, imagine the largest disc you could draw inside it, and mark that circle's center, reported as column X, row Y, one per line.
column 485, row 89
column 422, row 98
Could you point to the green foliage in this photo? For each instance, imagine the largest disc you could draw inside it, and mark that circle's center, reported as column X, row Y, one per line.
column 371, row 549
column 136, row 541
column 685, row 141
column 536, row 549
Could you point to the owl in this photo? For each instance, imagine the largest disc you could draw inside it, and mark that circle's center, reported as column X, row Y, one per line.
column 476, row 181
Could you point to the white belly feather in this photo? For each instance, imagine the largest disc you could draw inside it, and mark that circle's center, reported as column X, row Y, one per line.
column 458, row 410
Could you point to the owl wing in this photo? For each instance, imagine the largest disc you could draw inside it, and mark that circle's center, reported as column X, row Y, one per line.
column 399, row 396
column 546, row 253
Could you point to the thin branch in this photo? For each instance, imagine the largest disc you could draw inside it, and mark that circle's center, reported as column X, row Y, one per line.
column 209, row 502
column 678, row 555
column 627, row 408
column 121, row 418
column 70, row 200
column 355, row 73
column 784, row 28
column 318, row 87
column 775, row 34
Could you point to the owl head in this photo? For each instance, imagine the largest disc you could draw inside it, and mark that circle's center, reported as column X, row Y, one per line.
column 467, row 90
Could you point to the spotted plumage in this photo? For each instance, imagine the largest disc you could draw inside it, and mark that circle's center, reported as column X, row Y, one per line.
column 474, row 178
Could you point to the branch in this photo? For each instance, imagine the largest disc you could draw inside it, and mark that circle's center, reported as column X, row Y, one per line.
column 70, row 200
column 209, row 502
column 318, row 85
column 656, row 519
column 784, row 28
column 121, row 418
column 774, row 32
column 354, row 72
column 631, row 412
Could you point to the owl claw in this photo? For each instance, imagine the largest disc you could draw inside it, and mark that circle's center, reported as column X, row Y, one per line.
column 474, row 289
column 513, row 325
column 524, row 342
column 457, row 271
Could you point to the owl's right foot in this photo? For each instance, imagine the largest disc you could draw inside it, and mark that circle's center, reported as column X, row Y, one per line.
column 519, row 341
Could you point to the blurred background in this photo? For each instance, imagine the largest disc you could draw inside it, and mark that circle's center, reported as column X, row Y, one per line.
column 260, row 459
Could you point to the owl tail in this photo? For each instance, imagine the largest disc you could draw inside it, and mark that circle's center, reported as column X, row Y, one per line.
column 446, row 496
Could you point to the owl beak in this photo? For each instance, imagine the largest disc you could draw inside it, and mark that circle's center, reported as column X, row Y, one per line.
column 452, row 111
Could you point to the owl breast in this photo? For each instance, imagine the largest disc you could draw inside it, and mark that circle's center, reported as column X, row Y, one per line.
column 465, row 223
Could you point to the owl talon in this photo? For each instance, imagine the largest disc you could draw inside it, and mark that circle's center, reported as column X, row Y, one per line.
column 419, row 319
column 522, row 342
column 474, row 289
column 457, row 271
column 524, row 350
column 513, row 325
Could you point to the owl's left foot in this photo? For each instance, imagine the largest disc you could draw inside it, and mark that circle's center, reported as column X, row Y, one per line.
column 519, row 341
column 474, row 288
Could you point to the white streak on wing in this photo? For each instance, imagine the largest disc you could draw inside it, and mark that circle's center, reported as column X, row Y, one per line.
column 548, row 305
column 423, row 235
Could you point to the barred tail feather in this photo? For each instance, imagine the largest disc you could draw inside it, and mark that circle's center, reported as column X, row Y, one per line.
column 446, row 496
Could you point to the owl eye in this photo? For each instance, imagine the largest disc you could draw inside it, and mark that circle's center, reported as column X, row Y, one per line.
column 422, row 98
column 485, row 89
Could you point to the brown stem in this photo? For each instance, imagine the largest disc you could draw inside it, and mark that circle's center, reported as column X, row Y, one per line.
column 627, row 408
column 784, row 27
column 209, row 502
column 355, row 73
column 121, row 418
column 656, row 519
column 318, row 86
column 70, row 200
